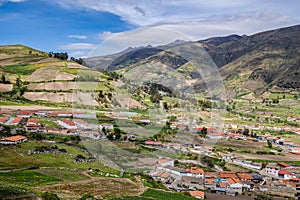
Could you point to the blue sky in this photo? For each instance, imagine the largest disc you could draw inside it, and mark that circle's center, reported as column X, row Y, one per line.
column 77, row 26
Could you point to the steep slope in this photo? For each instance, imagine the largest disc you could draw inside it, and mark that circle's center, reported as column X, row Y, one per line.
column 270, row 58
column 29, row 74
column 260, row 61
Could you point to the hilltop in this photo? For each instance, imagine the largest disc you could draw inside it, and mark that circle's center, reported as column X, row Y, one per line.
column 33, row 76
column 254, row 63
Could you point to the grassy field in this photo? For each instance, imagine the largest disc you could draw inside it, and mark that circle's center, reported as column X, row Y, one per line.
column 164, row 195
column 17, row 157
column 27, row 178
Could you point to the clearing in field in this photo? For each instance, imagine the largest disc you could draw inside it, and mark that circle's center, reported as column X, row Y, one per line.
column 6, row 87
column 48, row 74
column 98, row 187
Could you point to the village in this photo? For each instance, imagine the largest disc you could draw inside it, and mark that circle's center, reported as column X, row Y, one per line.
column 183, row 175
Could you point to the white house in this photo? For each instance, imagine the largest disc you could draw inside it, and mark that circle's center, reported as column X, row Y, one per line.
column 272, row 169
column 285, row 174
column 106, row 126
column 83, row 124
column 67, row 124
column 13, row 140
column 163, row 162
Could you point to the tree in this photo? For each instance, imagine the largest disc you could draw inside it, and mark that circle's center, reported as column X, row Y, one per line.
column 3, row 79
column 117, row 133
column 246, row 132
column 49, row 196
column 203, row 132
column 87, row 197
column 270, row 145
column 18, row 82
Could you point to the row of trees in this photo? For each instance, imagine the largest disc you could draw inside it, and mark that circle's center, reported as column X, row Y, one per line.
column 61, row 56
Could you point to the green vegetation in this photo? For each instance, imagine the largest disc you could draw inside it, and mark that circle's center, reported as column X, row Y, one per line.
column 164, row 195
column 149, row 182
column 26, row 178
column 49, row 196
column 12, row 192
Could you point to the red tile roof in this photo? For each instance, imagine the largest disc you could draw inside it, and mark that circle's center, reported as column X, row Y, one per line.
column 283, row 171
column 14, row 138
column 153, row 143
column 197, row 193
column 17, row 120
column 35, row 121
column 283, row 164
column 3, row 119
column 68, row 122
column 245, row 176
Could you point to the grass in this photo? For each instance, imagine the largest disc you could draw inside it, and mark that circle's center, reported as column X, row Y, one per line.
column 21, row 69
column 12, row 192
column 11, row 103
column 62, row 174
column 17, row 157
column 27, row 178
column 73, row 71
column 164, row 195
column 48, row 123
column 275, row 161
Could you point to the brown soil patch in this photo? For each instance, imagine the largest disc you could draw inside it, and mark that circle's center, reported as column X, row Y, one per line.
column 98, row 187
column 6, row 87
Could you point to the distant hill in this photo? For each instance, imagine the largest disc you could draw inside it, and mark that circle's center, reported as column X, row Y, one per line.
column 247, row 63
column 31, row 75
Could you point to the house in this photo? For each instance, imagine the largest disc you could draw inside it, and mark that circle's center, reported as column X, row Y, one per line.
column 209, row 175
column 3, row 120
column 226, row 174
column 56, row 131
column 16, row 121
column 176, row 170
column 84, row 125
column 210, row 182
column 245, row 177
column 197, row 194
column 235, row 185
column 283, row 164
column 72, row 131
column 106, row 126
column 162, row 176
column 295, row 151
column 163, row 162
column 272, row 169
column 67, row 124
column 285, row 174
column 13, row 140
column 192, row 183
column 33, row 125
column 196, row 172
column 256, row 177
column 25, row 113
column 153, row 143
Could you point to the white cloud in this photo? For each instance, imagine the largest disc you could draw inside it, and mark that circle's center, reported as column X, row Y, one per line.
column 14, row 1
column 242, row 24
column 149, row 12
column 105, row 35
column 81, row 37
column 77, row 46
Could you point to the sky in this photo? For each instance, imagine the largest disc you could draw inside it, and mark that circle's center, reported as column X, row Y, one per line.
column 78, row 26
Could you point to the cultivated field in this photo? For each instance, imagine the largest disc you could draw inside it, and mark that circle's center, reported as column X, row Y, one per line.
column 48, row 74
column 6, row 87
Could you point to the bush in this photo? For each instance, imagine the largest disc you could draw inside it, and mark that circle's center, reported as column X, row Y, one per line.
column 49, row 196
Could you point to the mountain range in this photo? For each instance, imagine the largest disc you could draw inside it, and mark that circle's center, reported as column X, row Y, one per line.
column 252, row 63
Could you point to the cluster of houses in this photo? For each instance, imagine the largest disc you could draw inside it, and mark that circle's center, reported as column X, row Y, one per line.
column 70, row 123
column 227, row 182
